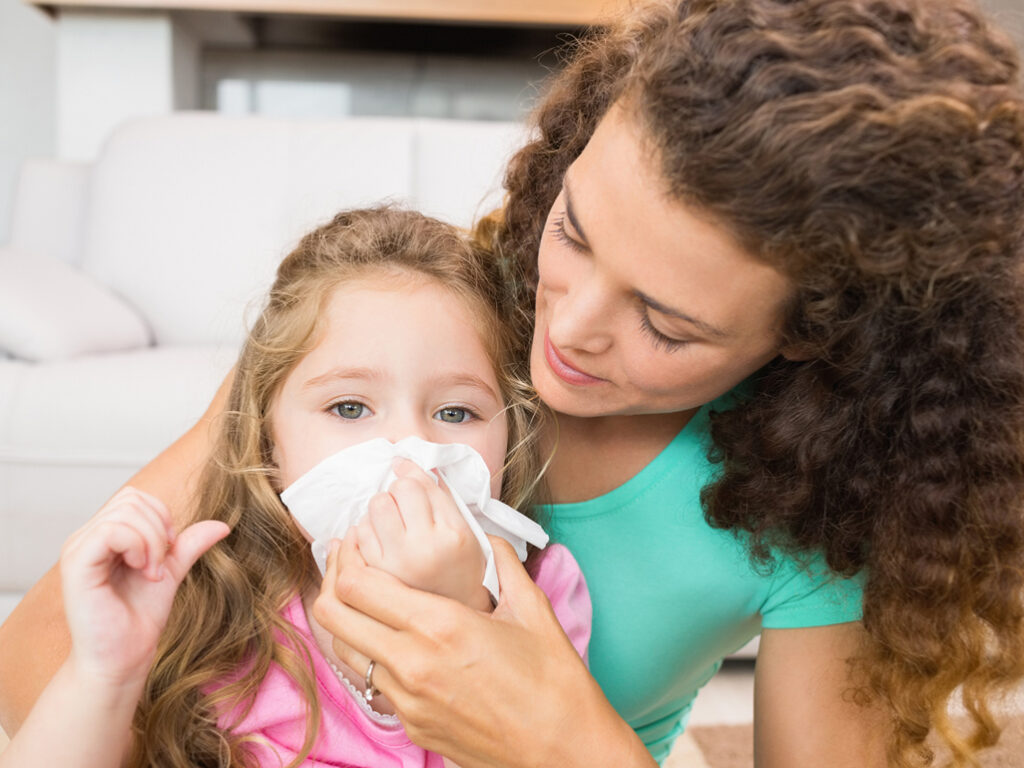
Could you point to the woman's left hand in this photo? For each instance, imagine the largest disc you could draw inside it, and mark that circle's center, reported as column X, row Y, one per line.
column 485, row 689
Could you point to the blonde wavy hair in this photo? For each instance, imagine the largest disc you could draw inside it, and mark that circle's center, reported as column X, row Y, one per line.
column 226, row 628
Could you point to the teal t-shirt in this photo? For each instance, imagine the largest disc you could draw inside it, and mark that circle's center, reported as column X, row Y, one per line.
column 672, row 596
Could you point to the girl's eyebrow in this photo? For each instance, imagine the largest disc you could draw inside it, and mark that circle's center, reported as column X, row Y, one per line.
column 336, row 374
column 570, row 212
column 452, row 379
column 657, row 306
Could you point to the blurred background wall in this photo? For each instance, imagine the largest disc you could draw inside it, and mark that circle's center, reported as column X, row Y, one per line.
column 285, row 66
column 28, row 47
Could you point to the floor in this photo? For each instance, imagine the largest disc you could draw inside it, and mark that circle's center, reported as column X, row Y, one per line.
column 727, row 700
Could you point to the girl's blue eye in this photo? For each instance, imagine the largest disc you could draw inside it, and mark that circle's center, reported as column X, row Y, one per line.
column 453, row 415
column 349, row 410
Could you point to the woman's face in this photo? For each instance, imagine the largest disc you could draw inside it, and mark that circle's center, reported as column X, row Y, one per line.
column 643, row 304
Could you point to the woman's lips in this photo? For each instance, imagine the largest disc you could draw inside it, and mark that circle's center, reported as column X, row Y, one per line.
column 563, row 370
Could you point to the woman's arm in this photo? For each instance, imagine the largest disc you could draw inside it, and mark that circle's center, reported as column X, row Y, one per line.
column 34, row 641
column 804, row 715
column 505, row 689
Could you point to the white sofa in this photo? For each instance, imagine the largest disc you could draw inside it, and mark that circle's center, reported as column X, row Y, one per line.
column 125, row 283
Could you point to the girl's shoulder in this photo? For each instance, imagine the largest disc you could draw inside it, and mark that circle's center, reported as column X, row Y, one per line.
column 560, row 577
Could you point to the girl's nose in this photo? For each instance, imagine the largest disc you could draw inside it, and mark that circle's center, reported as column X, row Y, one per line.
column 408, row 423
column 580, row 318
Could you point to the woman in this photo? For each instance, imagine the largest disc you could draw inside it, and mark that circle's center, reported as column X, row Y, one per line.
column 810, row 215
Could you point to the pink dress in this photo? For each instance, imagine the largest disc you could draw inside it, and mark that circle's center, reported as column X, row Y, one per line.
column 353, row 735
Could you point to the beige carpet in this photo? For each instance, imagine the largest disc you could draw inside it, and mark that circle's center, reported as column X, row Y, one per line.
column 686, row 753
column 731, row 746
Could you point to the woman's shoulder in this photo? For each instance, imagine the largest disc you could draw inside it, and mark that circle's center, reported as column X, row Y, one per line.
column 803, row 591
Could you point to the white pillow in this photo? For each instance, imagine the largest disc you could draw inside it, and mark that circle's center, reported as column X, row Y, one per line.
column 50, row 310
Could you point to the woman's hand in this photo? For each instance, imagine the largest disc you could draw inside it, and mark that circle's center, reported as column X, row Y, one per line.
column 119, row 574
column 500, row 689
column 415, row 532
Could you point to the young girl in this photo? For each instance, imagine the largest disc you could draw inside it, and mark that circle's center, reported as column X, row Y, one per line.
column 383, row 323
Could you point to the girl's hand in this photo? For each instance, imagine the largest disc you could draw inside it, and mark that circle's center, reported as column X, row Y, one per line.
column 415, row 532
column 119, row 574
column 501, row 689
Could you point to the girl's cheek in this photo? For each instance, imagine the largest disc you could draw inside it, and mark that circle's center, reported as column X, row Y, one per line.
column 493, row 446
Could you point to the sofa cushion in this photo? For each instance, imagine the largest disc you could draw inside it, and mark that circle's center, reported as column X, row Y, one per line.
column 459, row 167
column 49, row 310
column 189, row 215
column 72, row 432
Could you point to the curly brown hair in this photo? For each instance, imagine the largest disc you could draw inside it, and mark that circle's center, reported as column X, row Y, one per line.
column 872, row 151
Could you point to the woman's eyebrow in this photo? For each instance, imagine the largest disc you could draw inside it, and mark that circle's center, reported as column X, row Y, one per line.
column 570, row 212
column 657, row 306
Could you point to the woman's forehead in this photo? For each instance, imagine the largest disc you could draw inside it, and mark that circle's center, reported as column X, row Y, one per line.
column 657, row 247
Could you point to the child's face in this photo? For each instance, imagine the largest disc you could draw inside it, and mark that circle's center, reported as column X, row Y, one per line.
column 398, row 357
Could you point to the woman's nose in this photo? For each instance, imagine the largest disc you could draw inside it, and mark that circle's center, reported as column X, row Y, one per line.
column 580, row 317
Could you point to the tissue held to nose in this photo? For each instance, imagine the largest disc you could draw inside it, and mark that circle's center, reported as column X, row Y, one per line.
column 335, row 494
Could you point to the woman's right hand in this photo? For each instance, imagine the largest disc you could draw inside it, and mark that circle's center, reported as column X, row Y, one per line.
column 499, row 689
column 119, row 574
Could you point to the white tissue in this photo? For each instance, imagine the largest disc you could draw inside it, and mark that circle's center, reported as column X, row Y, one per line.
column 336, row 493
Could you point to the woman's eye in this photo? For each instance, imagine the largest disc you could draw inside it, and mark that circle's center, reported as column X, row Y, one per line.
column 350, row 410
column 558, row 230
column 453, row 415
column 659, row 339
